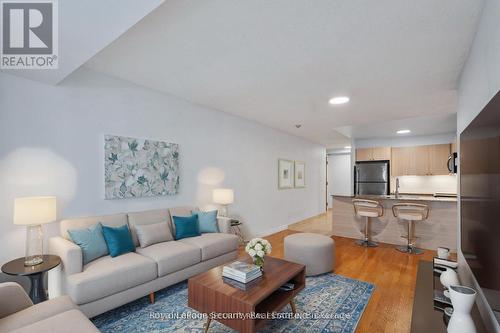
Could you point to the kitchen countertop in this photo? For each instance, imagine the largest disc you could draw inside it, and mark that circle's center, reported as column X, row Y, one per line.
column 402, row 197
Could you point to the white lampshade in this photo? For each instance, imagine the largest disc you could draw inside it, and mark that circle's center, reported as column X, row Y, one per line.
column 34, row 210
column 223, row 196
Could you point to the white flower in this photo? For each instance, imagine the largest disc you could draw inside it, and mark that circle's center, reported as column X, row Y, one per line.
column 252, row 253
column 265, row 242
column 253, row 242
column 260, row 254
column 258, row 247
column 268, row 249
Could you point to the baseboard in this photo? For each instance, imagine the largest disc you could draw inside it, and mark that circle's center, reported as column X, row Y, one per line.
column 272, row 230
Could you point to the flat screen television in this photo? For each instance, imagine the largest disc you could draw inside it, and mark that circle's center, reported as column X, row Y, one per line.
column 480, row 199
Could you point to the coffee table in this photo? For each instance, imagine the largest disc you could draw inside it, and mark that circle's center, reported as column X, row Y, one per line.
column 233, row 307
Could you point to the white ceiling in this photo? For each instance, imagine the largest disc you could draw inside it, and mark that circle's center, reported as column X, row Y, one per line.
column 420, row 126
column 85, row 27
column 278, row 62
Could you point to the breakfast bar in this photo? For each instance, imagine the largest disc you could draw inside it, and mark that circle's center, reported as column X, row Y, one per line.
column 438, row 230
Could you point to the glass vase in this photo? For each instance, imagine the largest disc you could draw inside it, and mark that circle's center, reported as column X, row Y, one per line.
column 258, row 261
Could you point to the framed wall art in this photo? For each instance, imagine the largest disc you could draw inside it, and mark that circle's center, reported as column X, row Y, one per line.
column 300, row 174
column 140, row 167
column 285, row 174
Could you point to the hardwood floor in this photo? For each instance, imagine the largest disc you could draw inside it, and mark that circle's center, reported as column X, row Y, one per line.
column 393, row 274
column 321, row 224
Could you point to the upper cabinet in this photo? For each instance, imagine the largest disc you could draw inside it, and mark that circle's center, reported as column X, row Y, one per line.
column 454, row 146
column 420, row 160
column 373, row 154
column 438, row 159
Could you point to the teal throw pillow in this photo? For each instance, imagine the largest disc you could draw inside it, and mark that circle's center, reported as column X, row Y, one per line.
column 91, row 241
column 207, row 221
column 186, row 226
column 118, row 239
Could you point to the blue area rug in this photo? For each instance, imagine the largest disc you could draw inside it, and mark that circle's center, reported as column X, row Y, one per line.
column 336, row 301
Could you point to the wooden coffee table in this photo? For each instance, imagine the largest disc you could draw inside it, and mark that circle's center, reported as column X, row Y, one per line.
column 209, row 294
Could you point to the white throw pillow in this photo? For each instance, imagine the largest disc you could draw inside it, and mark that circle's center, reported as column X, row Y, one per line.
column 150, row 234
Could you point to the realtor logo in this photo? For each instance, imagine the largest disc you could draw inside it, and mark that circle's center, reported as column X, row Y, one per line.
column 29, row 34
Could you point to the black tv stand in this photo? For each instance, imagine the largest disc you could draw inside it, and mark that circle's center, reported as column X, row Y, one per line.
column 425, row 318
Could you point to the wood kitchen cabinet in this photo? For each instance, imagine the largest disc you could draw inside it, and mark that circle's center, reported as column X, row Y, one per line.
column 403, row 161
column 373, row 154
column 438, row 159
column 454, row 146
column 420, row 160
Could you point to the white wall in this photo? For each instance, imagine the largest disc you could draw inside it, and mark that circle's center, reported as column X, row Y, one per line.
column 479, row 82
column 339, row 175
column 52, row 143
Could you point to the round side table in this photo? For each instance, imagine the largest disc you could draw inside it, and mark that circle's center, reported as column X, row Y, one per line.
column 35, row 273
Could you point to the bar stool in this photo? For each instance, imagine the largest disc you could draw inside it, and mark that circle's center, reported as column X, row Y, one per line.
column 411, row 213
column 368, row 209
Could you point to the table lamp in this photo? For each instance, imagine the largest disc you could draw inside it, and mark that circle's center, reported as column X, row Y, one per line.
column 224, row 197
column 33, row 212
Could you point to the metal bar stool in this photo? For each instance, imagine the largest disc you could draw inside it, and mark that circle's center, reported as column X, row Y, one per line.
column 410, row 212
column 368, row 209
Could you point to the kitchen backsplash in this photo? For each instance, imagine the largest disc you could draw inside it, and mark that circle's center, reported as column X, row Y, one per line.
column 425, row 184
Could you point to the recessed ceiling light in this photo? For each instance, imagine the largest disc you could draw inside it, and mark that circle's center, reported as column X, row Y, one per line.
column 338, row 100
column 404, row 131
column 347, row 147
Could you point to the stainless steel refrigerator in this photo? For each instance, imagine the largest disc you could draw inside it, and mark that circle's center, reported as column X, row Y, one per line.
column 372, row 177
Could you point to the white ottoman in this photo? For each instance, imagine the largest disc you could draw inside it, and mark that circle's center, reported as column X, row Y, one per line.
column 316, row 252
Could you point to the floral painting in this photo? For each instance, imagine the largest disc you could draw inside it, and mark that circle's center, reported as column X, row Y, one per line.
column 140, row 167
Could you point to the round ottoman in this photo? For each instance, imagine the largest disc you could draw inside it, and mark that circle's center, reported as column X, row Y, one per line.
column 316, row 252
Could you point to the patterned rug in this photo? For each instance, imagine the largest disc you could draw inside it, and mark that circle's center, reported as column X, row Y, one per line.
column 328, row 303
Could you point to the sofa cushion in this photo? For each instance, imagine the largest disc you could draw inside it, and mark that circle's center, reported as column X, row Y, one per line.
column 107, row 276
column 36, row 313
column 73, row 321
column 207, row 221
column 171, row 256
column 149, row 234
column 91, row 241
column 213, row 245
column 118, row 240
column 186, row 226
column 180, row 211
column 114, row 220
column 148, row 217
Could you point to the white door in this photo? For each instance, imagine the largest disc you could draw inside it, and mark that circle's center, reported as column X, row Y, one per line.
column 339, row 175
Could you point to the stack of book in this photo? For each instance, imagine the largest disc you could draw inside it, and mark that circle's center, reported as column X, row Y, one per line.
column 241, row 272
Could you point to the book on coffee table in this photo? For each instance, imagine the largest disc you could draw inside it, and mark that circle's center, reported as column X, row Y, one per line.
column 241, row 271
column 245, row 279
column 240, row 285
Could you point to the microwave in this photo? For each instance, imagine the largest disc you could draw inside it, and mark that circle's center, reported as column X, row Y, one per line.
column 453, row 163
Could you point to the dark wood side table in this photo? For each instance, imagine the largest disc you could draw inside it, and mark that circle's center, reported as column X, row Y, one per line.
column 35, row 273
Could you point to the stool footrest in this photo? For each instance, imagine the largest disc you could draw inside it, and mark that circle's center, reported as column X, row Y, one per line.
column 366, row 243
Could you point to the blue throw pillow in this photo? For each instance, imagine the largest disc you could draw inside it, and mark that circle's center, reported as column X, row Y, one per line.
column 207, row 221
column 119, row 240
column 91, row 241
column 186, row 226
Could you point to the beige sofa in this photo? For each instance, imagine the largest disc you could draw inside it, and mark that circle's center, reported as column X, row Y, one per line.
column 58, row 315
column 107, row 283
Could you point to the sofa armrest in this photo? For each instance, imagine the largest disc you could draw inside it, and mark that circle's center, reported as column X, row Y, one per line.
column 70, row 254
column 13, row 298
column 224, row 224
